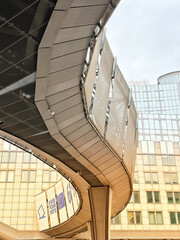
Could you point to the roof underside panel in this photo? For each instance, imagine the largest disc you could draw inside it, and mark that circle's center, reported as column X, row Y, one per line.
column 22, row 24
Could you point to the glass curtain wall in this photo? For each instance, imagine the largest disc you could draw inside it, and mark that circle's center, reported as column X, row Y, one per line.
column 157, row 170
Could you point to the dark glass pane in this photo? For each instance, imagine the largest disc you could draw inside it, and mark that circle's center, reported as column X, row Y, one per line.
column 156, row 197
column 149, row 197
column 172, row 217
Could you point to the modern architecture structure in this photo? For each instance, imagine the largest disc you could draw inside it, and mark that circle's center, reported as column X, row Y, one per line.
column 154, row 209
column 64, row 100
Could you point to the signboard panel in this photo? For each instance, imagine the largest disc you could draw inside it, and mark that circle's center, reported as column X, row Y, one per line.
column 61, row 202
column 68, row 197
column 41, row 210
column 75, row 198
column 52, row 207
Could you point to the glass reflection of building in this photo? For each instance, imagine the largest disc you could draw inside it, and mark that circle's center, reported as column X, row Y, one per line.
column 155, row 202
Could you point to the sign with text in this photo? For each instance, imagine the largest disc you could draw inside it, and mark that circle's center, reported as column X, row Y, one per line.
column 42, row 213
column 61, row 202
column 68, row 197
column 75, row 198
column 52, row 207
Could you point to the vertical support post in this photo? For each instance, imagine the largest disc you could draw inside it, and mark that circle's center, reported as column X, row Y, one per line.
column 100, row 201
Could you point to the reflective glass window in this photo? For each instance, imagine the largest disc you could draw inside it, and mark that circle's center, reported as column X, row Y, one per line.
column 136, row 177
column 134, row 217
column 149, row 197
column 177, row 197
column 172, row 217
column 151, row 217
column 155, row 218
column 136, row 197
column 170, row 197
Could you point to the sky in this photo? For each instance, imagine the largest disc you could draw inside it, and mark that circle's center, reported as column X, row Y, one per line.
column 144, row 35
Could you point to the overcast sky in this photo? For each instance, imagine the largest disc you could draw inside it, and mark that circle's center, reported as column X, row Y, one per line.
column 145, row 37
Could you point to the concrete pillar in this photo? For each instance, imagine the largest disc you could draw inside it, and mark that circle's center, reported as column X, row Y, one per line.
column 100, row 201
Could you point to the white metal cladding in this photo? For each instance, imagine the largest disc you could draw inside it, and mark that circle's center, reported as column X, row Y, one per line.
column 59, row 74
column 91, row 76
column 131, row 140
column 118, row 112
column 102, row 88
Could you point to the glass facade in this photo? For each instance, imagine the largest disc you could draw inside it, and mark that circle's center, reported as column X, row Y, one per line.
column 157, row 170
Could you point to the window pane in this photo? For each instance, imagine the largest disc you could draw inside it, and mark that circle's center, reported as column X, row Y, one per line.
column 152, row 160
column 177, row 197
column 136, row 197
column 12, row 157
column 24, row 176
column 6, row 145
column 170, row 197
column 117, row 219
column 135, row 177
column 138, row 217
column 171, row 160
column 151, row 218
column 154, row 178
column 159, row 218
column 178, row 215
column 167, row 177
column 172, row 217
column 174, row 178
column 5, row 156
column 164, row 160
column 149, row 197
column 26, row 157
column 145, row 160
column 147, row 178
column 156, row 197
column 32, row 176
column 131, row 217
column 2, row 176
column 46, row 176
column 10, row 176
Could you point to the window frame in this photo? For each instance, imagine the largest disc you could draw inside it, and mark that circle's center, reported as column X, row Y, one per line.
column 156, row 218
column 29, row 171
column 173, row 197
column 132, row 200
column 153, row 196
column 171, row 178
column 134, row 217
column 177, row 219
column 151, row 177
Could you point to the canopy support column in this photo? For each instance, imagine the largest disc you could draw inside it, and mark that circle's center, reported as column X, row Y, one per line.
column 100, row 201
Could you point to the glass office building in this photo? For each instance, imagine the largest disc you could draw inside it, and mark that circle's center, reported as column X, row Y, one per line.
column 155, row 202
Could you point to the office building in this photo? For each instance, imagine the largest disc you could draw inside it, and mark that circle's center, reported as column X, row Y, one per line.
column 155, row 202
